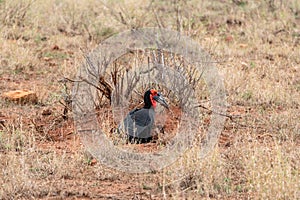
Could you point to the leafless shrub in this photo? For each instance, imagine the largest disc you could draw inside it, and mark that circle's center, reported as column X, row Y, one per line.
column 138, row 71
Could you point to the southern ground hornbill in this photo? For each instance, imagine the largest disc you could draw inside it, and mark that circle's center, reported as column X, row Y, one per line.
column 137, row 125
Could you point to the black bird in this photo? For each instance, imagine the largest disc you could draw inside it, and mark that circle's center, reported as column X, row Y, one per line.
column 138, row 123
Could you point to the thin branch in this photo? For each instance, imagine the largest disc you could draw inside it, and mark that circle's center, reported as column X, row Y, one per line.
column 221, row 114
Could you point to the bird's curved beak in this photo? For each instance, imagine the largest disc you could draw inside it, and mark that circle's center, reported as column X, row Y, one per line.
column 160, row 99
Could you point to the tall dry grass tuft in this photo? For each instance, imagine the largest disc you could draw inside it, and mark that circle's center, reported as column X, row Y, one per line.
column 15, row 146
column 272, row 170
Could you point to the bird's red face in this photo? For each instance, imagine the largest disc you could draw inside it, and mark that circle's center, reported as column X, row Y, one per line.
column 155, row 97
column 153, row 93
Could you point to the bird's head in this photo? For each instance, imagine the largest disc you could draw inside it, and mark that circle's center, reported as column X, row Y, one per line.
column 151, row 97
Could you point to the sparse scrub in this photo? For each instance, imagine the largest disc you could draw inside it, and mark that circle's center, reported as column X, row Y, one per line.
column 256, row 46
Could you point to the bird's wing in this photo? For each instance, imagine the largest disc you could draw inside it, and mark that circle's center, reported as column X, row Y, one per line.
column 138, row 123
column 142, row 117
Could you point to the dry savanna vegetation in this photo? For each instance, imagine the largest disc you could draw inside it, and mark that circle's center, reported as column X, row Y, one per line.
column 256, row 46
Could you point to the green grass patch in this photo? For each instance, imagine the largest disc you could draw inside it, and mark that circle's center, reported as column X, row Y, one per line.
column 56, row 55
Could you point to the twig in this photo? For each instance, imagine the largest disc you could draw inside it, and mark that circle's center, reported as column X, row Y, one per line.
column 222, row 114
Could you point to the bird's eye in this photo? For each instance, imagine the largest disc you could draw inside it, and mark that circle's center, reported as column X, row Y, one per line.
column 154, row 92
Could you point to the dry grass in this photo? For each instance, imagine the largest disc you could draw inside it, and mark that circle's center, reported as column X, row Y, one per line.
column 257, row 45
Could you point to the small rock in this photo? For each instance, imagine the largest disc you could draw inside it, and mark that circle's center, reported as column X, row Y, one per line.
column 93, row 162
column 55, row 47
column 21, row 96
column 46, row 112
column 229, row 38
column 47, row 58
column 242, row 45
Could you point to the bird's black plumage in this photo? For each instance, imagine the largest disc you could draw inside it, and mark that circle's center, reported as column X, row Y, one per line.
column 147, row 100
column 138, row 123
